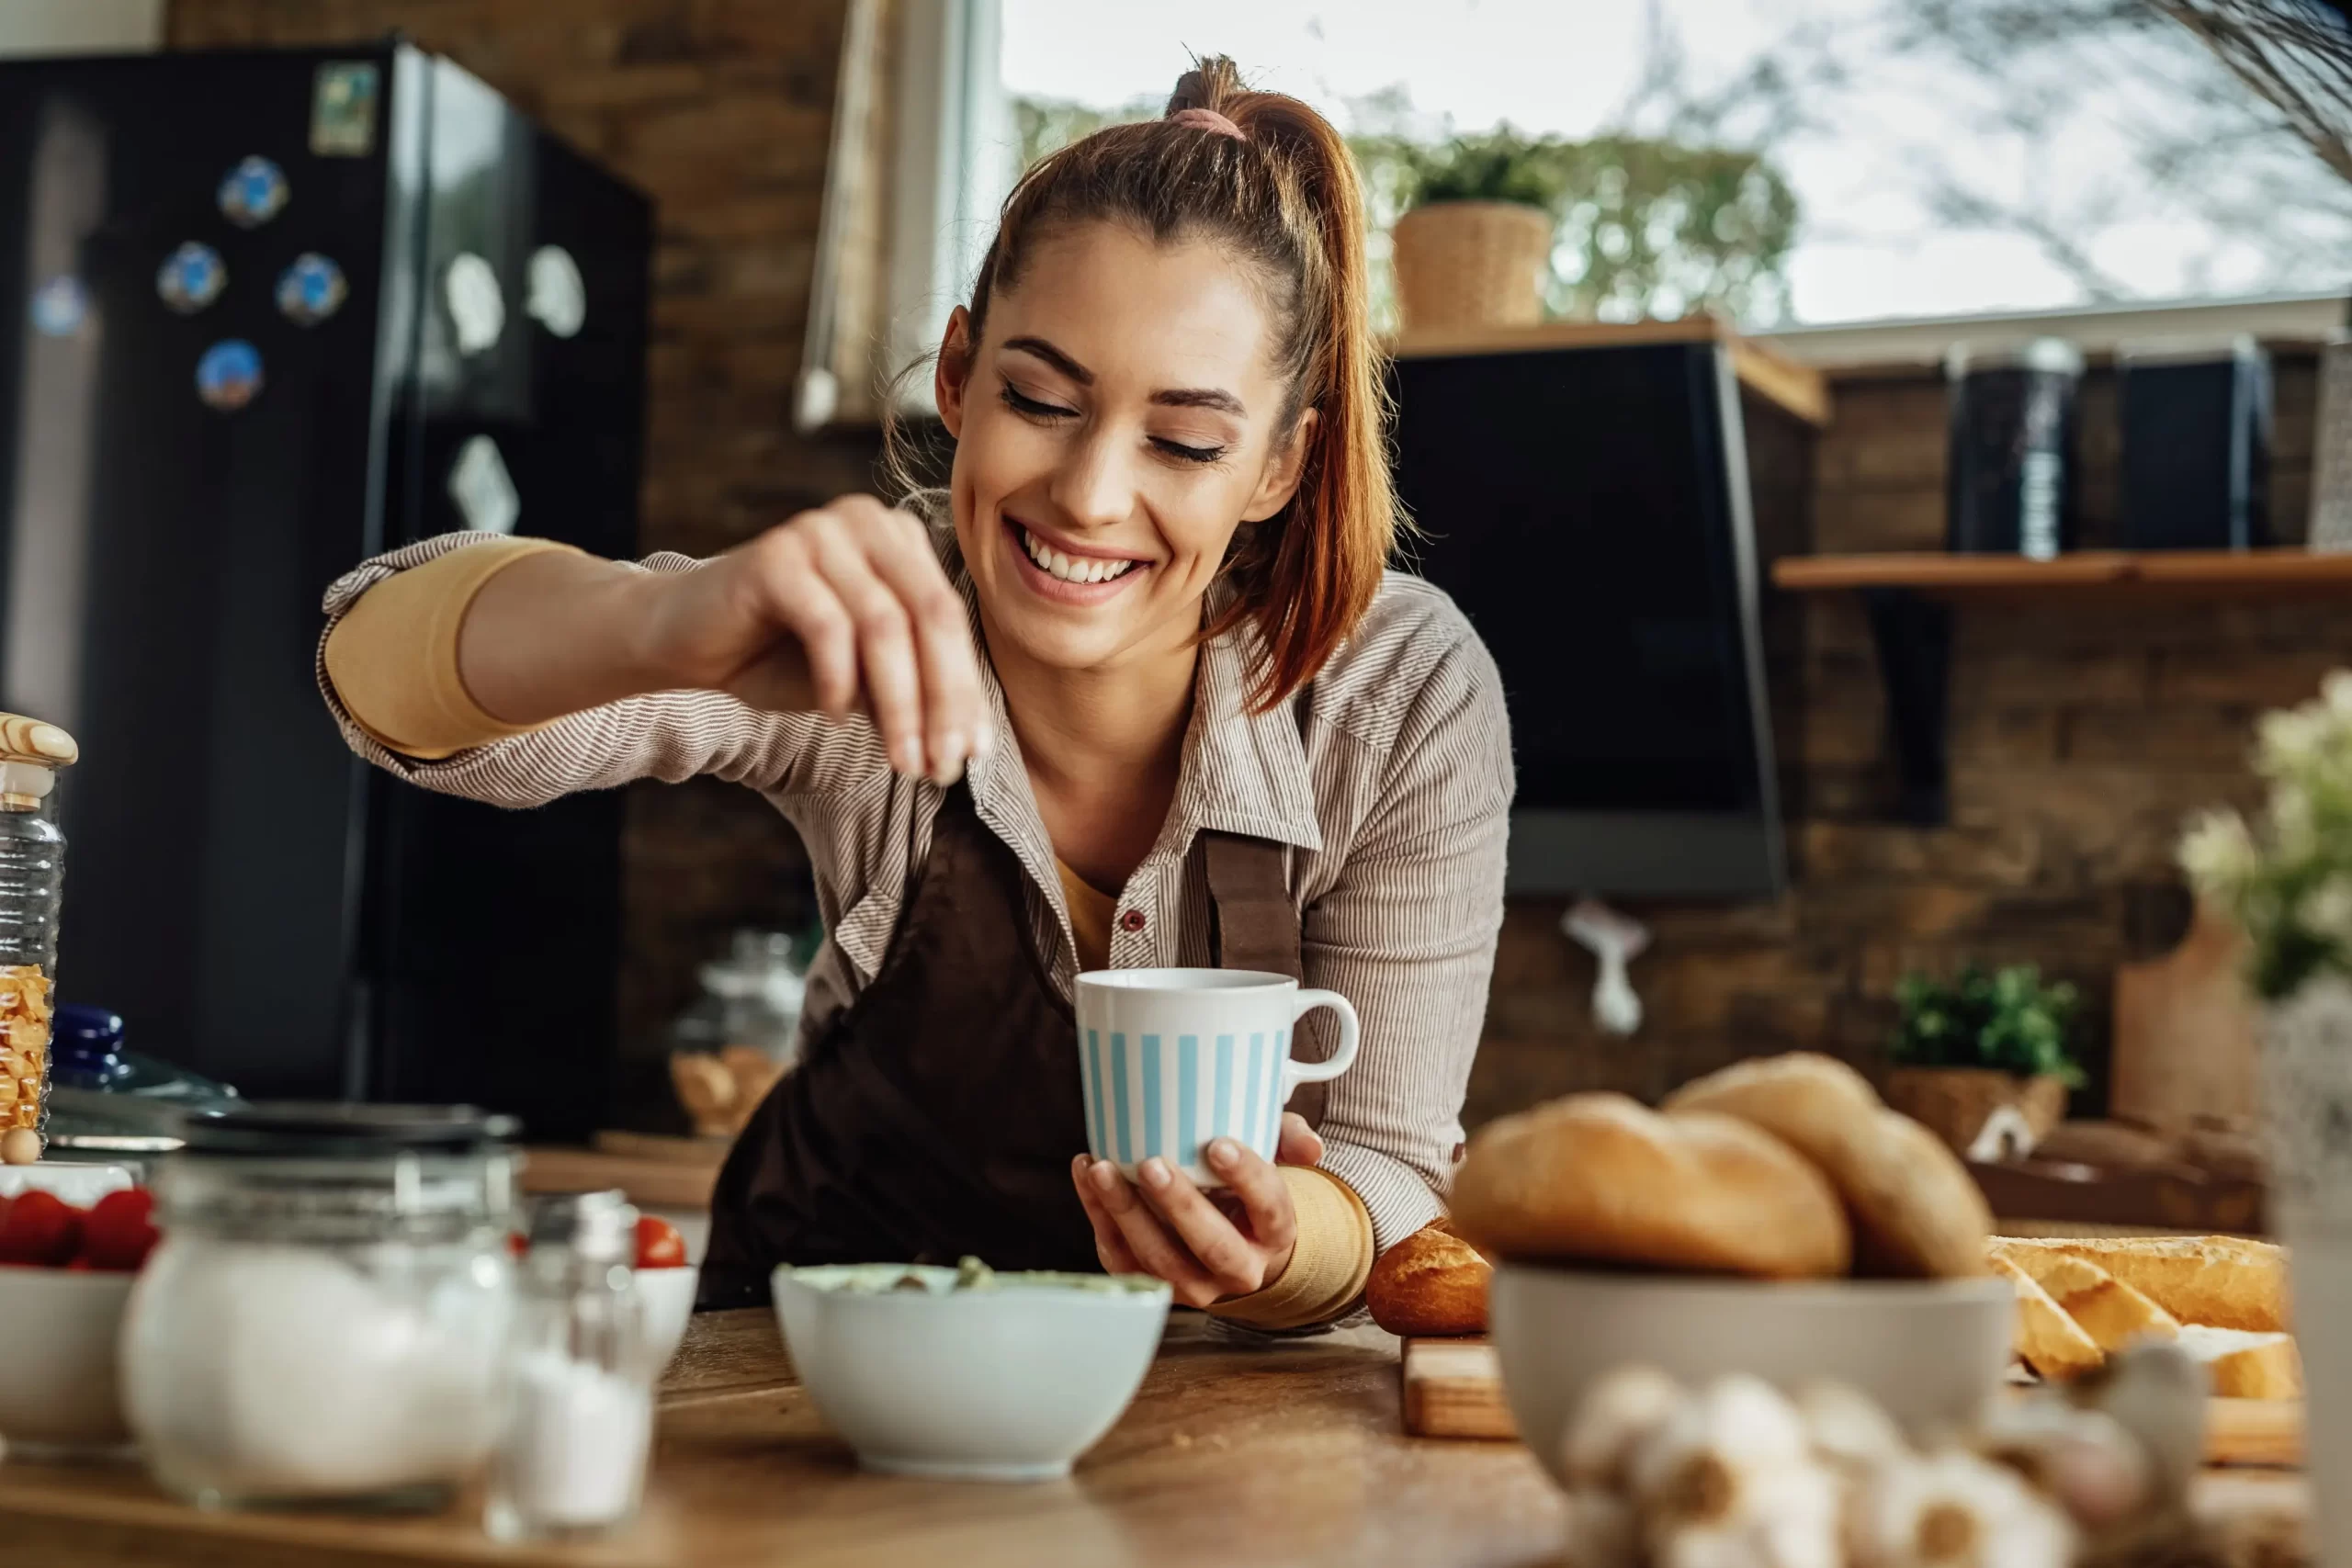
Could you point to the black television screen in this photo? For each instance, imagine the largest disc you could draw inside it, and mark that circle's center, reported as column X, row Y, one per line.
column 1586, row 508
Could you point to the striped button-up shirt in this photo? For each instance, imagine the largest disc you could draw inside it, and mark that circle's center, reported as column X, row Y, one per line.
column 1387, row 780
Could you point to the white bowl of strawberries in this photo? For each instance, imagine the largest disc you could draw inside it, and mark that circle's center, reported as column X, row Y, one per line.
column 665, row 1284
column 65, row 1272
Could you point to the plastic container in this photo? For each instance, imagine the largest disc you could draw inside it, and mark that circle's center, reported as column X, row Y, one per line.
column 326, row 1321
column 32, row 886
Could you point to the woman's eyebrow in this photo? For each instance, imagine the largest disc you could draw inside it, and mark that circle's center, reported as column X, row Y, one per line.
column 1214, row 398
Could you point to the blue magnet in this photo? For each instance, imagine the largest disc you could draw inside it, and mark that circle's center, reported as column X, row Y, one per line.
column 191, row 277
column 253, row 192
column 310, row 291
column 60, row 306
column 228, row 376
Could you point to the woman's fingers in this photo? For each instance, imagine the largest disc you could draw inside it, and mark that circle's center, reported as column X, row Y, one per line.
column 1264, row 1195
column 1299, row 1144
column 1148, row 1240
column 1110, row 1246
column 1228, row 1257
column 813, row 613
column 886, row 649
column 954, row 704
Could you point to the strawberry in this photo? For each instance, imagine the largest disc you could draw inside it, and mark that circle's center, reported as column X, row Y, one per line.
column 40, row 1228
column 120, row 1230
column 659, row 1244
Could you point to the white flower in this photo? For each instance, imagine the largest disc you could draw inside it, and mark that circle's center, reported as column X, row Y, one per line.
column 2326, row 911
column 2290, row 740
column 2293, row 828
column 2218, row 853
column 2337, row 692
column 1955, row 1510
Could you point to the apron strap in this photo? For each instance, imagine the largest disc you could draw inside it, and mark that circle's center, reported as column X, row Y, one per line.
column 1252, row 922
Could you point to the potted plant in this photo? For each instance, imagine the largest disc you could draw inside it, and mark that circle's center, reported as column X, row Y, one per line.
column 2286, row 880
column 1968, row 1048
column 1475, row 244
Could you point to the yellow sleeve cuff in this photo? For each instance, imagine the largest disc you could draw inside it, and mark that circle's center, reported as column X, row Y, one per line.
column 393, row 657
column 1328, row 1266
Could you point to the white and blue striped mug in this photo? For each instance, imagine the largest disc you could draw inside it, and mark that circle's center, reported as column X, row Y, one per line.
column 1171, row 1059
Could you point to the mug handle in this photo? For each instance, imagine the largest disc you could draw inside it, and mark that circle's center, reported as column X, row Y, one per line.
column 1296, row 1072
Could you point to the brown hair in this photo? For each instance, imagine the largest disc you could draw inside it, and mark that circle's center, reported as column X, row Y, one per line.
column 1283, row 194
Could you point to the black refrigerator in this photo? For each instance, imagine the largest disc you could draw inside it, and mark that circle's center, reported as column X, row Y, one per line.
column 263, row 315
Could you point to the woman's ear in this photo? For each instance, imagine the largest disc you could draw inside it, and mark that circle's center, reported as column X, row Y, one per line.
column 951, row 371
column 1280, row 479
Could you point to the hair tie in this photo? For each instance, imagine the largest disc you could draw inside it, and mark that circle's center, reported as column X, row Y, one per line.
column 1207, row 119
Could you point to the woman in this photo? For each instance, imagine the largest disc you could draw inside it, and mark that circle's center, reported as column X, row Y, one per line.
column 1153, row 702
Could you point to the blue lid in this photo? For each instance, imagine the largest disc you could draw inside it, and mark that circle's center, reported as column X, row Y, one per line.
column 85, row 1047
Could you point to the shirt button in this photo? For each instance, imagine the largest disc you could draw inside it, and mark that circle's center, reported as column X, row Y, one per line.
column 1131, row 921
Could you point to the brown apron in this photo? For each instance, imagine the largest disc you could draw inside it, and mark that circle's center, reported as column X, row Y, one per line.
column 938, row 1113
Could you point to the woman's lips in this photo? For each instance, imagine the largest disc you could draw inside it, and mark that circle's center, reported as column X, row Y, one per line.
column 1062, row 590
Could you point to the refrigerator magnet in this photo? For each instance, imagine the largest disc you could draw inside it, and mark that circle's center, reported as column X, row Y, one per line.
column 310, row 291
column 481, row 488
column 477, row 306
column 343, row 109
column 61, row 306
column 557, row 300
column 191, row 277
column 228, row 376
column 253, row 192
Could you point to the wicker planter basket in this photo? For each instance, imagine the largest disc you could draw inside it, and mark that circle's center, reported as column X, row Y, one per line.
column 1471, row 264
column 1954, row 1102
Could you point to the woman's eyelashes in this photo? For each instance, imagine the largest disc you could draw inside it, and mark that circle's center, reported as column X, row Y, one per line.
column 1045, row 412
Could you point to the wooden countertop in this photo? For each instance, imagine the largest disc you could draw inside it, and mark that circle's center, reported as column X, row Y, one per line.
column 1290, row 1452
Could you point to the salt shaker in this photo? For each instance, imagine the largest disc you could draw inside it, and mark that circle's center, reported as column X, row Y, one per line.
column 581, row 1422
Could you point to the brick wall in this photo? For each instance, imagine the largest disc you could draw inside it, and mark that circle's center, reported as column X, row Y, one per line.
column 720, row 110
column 2082, row 732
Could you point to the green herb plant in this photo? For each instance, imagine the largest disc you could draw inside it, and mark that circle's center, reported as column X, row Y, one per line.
column 2008, row 1020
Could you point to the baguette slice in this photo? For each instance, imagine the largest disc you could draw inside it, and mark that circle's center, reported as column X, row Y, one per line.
column 2110, row 1311
column 2048, row 1340
column 2245, row 1365
column 2220, row 1281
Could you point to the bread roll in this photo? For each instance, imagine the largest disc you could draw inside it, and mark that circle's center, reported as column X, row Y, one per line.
column 1598, row 1177
column 1917, row 1213
column 2047, row 1339
column 2224, row 1282
column 1430, row 1282
column 2247, row 1366
column 2110, row 1311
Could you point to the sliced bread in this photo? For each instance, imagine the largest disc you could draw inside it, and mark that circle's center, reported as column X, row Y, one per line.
column 2048, row 1340
column 2110, row 1311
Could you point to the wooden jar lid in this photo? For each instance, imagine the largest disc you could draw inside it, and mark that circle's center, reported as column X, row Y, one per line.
column 31, row 741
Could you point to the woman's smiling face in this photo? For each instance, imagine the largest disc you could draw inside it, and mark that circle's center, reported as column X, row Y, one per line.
column 1119, row 421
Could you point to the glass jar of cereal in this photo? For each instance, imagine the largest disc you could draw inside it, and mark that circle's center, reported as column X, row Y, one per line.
column 32, row 879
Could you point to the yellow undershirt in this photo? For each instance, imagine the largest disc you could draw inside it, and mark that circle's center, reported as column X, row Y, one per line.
column 393, row 660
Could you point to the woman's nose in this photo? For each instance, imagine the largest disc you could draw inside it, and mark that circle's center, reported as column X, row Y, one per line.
column 1095, row 485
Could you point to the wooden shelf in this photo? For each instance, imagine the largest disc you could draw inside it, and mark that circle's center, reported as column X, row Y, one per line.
column 2250, row 573
column 1763, row 370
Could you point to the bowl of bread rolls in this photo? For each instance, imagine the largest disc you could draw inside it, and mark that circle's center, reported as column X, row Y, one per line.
column 1774, row 1219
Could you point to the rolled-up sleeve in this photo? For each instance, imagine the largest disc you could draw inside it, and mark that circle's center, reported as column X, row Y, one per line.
column 666, row 735
column 1406, row 933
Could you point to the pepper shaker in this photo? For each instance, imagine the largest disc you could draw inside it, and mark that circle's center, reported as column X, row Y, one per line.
column 580, row 1423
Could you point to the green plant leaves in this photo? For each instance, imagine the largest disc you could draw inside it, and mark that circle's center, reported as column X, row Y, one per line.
column 2008, row 1020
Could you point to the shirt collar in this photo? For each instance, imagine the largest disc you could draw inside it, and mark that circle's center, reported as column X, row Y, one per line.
column 1242, row 772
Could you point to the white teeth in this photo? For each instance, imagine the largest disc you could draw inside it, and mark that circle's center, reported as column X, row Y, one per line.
column 1082, row 568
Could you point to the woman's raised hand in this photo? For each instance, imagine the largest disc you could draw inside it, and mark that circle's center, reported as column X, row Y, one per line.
column 842, row 609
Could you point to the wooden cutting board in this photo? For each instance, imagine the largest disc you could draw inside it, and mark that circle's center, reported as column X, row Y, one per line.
column 1453, row 1388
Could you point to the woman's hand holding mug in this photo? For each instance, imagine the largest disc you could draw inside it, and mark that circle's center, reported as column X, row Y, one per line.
column 1208, row 1245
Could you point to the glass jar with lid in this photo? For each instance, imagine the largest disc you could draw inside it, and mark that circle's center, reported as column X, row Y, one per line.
column 32, row 883
column 326, row 1319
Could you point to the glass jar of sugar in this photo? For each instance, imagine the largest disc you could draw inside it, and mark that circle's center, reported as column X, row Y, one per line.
column 572, row 1458
column 327, row 1318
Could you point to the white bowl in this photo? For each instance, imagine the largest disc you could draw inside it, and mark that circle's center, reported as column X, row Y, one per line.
column 1929, row 1351
column 58, row 1394
column 669, row 1297
column 1007, row 1383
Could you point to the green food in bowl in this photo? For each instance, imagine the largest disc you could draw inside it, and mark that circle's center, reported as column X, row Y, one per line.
column 971, row 1274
